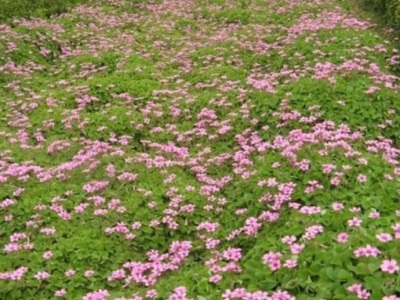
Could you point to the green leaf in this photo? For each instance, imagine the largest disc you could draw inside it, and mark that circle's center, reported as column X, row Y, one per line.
column 340, row 292
column 269, row 284
column 291, row 284
column 202, row 286
column 343, row 275
column 373, row 267
column 328, row 273
column 373, row 283
column 362, row 269
column 16, row 294
column 388, row 285
column 397, row 284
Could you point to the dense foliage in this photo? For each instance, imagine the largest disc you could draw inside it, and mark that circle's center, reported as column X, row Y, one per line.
column 11, row 9
column 388, row 10
column 199, row 149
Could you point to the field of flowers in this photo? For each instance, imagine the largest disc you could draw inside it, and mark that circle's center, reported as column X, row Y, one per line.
column 199, row 149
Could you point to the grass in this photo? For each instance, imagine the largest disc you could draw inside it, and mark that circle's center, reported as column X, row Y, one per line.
column 10, row 9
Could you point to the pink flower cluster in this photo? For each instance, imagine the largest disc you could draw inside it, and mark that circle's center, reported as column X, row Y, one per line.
column 95, row 186
column 358, row 290
column 98, row 295
column 241, row 293
column 367, row 251
column 147, row 273
column 222, row 262
column 15, row 275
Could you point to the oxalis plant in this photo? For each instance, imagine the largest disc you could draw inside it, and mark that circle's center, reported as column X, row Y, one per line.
column 199, row 150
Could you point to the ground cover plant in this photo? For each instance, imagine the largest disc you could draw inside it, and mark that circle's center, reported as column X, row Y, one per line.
column 388, row 11
column 11, row 9
column 199, row 149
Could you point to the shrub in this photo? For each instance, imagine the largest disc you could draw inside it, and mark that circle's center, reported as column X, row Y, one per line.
column 389, row 10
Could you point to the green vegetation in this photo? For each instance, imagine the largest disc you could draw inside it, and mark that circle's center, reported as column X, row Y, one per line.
column 387, row 10
column 13, row 9
column 198, row 149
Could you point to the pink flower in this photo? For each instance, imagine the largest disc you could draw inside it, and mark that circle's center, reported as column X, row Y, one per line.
column 359, row 291
column 151, row 294
column 98, row 295
column 272, row 259
column 342, row 237
column 290, row 263
column 367, row 251
column 371, row 251
column 42, row 275
column 88, row 273
column 296, row 248
column 70, row 273
column 355, row 209
column 233, row 254
column 374, row 215
column 276, row 165
column 47, row 255
column 337, row 206
column 389, row 266
column 354, row 288
column 60, row 293
column 361, row 178
column 312, row 232
column 363, row 294
column 215, row 278
column 335, row 181
column 14, row 275
column 288, row 239
column 178, row 294
column 384, row 237
column 392, row 297
column 355, row 222
column 282, row 295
